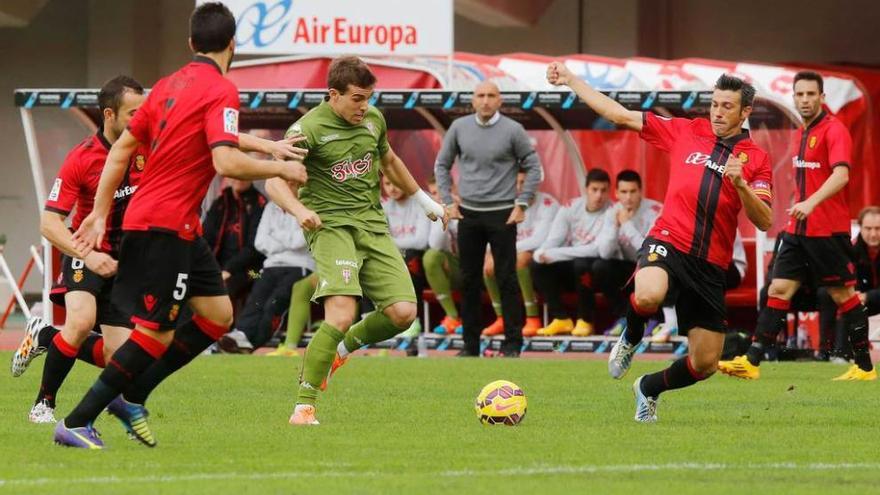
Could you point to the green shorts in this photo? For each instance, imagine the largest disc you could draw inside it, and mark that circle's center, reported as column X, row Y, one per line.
column 354, row 262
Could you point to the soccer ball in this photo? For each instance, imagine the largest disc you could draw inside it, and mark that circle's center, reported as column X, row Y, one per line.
column 501, row 403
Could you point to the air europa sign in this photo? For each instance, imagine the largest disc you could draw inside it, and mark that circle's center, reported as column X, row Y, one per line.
column 368, row 27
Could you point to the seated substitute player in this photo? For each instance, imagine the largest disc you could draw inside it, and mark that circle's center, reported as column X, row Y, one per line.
column 190, row 122
column 565, row 259
column 86, row 280
column 715, row 171
column 529, row 236
column 816, row 247
column 346, row 228
column 442, row 270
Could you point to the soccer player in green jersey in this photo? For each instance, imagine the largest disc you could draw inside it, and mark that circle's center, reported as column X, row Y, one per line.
column 345, row 226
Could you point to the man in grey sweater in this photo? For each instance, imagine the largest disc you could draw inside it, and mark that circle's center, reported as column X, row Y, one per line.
column 491, row 149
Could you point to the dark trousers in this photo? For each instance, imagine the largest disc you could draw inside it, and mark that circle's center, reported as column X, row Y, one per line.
column 267, row 302
column 552, row 279
column 413, row 260
column 475, row 230
column 610, row 277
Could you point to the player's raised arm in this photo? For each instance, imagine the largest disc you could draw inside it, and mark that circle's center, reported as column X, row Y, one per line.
column 91, row 231
column 394, row 168
column 560, row 75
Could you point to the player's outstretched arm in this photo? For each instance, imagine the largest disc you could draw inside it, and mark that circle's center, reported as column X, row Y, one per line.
column 231, row 162
column 91, row 231
column 396, row 171
column 285, row 149
column 284, row 194
column 559, row 75
column 835, row 182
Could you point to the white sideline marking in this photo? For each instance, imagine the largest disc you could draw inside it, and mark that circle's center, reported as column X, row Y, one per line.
column 582, row 469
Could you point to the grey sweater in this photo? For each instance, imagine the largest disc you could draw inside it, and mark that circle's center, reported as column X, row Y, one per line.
column 488, row 159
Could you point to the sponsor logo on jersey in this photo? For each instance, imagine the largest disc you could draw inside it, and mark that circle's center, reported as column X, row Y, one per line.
column 697, row 158
column 230, row 121
column 798, row 163
column 124, row 192
column 813, row 141
column 372, row 128
column 56, row 190
column 350, row 263
column 347, row 169
column 140, row 161
column 328, row 138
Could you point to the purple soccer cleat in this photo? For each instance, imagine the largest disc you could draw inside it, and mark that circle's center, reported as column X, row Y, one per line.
column 84, row 437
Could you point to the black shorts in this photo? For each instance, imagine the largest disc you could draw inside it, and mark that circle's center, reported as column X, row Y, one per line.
column 696, row 287
column 75, row 276
column 159, row 272
column 817, row 261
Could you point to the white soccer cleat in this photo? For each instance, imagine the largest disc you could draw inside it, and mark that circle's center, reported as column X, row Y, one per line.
column 41, row 413
column 303, row 414
column 620, row 358
column 29, row 348
column 646, row 407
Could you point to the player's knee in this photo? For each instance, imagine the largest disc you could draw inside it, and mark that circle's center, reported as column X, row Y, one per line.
column 77, row 325
column 840, row 295
column 523, row 259
column 648, row 299
column 402, row 314
column 489, row 271
column 781, row 290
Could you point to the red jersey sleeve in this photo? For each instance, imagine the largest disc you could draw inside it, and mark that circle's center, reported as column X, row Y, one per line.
column 661, row 131
column 65, row 190
column 221, row 119
column 139, row 125
column 839, row 146
column 760, row 179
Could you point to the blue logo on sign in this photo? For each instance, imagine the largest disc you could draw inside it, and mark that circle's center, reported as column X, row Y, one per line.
column 262, row 24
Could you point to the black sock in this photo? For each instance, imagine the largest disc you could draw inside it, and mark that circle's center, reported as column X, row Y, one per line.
column 46, row 335
column 771, row 320
column 129, row 361
column 855, row 318
column 59, row 360
column 679, row 375
column 189, row 341
column 92, row 350
column 635, row 321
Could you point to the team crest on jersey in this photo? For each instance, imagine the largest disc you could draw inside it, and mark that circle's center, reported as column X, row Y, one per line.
column 347, row 169
column 813, row 141
column 175, row 310
column 140, row 161
column 743, row 157
column 372, row 128
column 230, row 121
column 346, row 275
column 78, row 276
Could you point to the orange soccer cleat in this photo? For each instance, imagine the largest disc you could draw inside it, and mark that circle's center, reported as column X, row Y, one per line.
column 496, row 328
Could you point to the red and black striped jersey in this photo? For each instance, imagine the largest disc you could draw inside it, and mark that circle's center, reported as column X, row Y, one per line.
column 816, row 151
column 77, row 183
column 185, row 115
column 701, row 207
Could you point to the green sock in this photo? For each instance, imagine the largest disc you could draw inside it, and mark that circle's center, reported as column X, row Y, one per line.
column 298, row 314
column 376, row 327
column 494, row 293
column 316, row 364
column 413, row 331
column 528, row 291
column 439, row 280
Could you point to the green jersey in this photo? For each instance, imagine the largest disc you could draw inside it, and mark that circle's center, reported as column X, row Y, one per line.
column 343, row 166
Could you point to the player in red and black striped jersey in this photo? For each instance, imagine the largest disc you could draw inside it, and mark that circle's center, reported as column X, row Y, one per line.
column 815, row 248
column 190, row 123
column 86, row 281
column 715, row 171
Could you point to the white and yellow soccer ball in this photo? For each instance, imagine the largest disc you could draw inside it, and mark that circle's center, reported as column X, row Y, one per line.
column 501, row 403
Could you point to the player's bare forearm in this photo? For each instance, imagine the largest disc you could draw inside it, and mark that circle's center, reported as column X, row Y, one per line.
column 835, row 182
column 757, row 210
column 248, row 142
column 606, row 107
column 396, row 171
column 53, row 229
column 231, row 162
column 284, row 194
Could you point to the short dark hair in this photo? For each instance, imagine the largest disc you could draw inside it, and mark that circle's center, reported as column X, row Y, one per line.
column 597, row 175
column 629, row 176
column 349, row 70
column 732, row 83
column 868, row 210
column 211, row 27
column 808, row 75
column 113, row 90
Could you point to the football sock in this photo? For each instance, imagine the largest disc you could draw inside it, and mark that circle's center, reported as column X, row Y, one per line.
column 300, row 308
column 47, row 333
column 528, row 291
column 316, row 364
column 92, row 350
column 129, row 361
column 670, row 317
column 59, row 360
column 855, row 318
column 679, row 375
column 494, row 293
column 376, row 327
column 189, row 341
column 771, row 321
column 439, row 281
column 635, row 321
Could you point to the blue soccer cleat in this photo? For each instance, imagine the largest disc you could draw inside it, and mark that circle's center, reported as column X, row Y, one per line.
column 134, row 418
column 646, row 407
column 84, row 437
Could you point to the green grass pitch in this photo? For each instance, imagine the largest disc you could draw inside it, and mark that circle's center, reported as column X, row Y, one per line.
column 397, row 425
